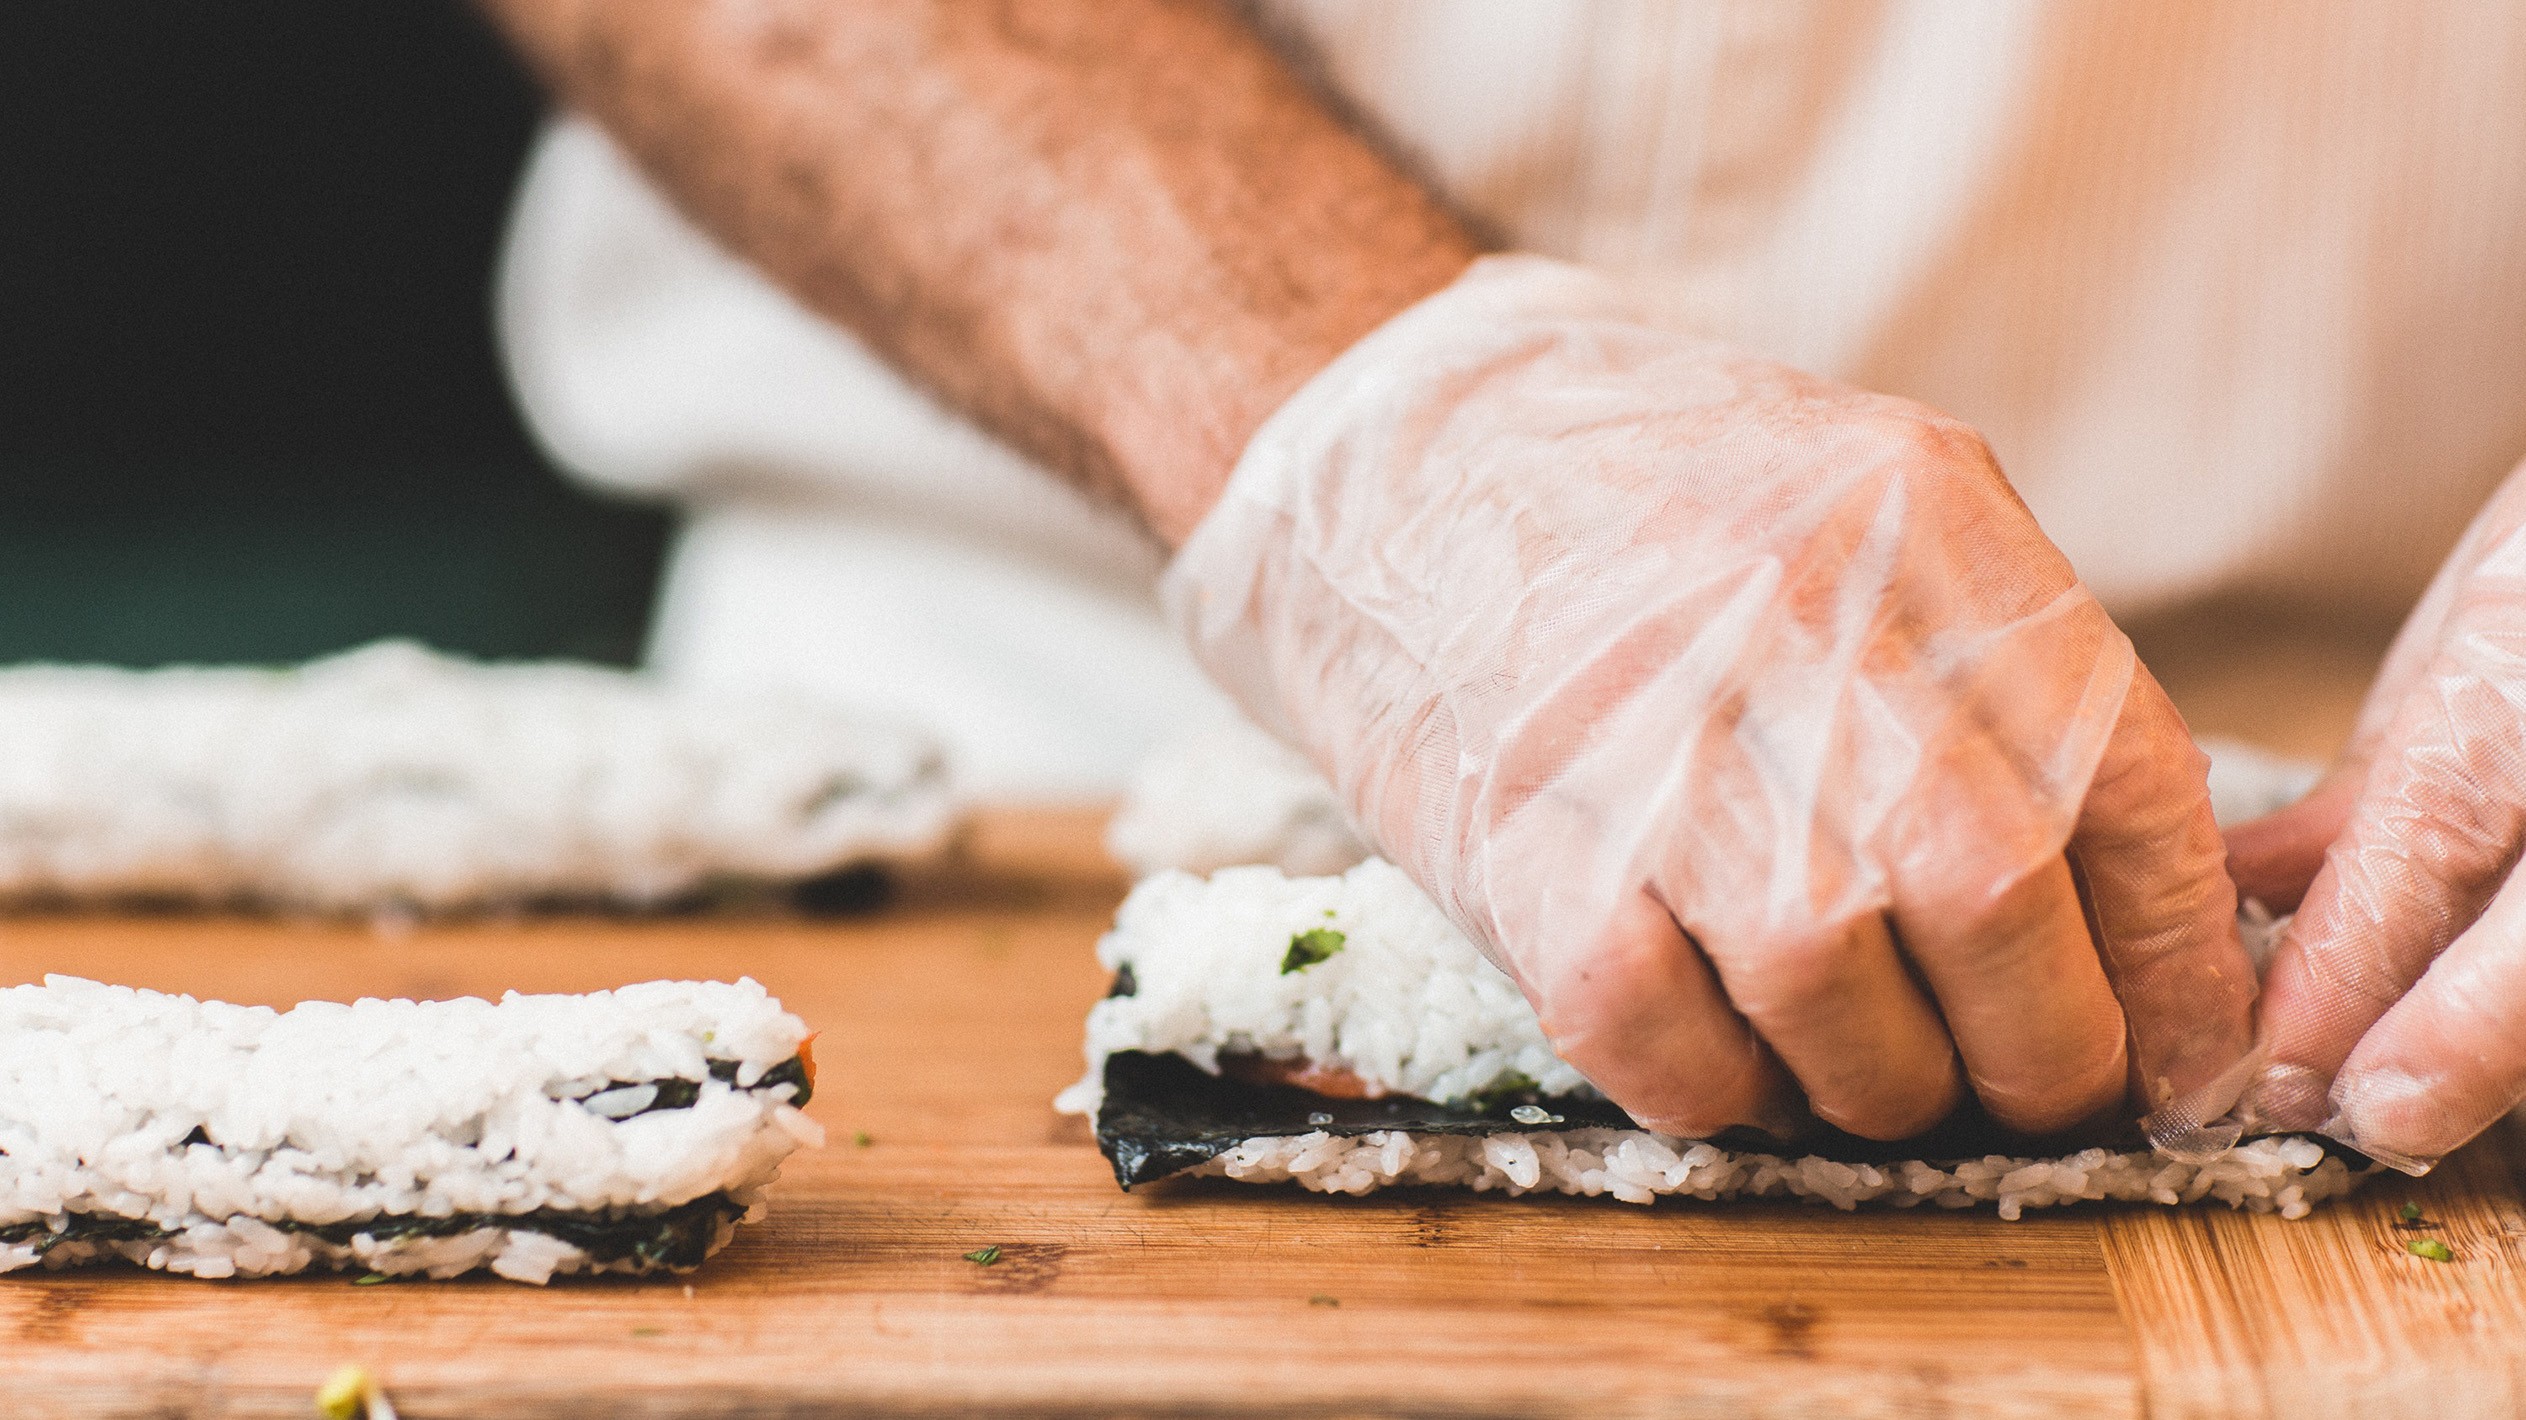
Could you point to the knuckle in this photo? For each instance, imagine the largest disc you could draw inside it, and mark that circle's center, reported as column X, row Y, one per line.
column 1626, row 976
column 1931, row 440
column 1787, row 978
column 1992, row 917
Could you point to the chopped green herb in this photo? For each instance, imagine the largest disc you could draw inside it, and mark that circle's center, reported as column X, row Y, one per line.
column 861, row 1139
column 649, row 1331
column 2430, row 1248
column 1307, row 948
column 371, row 1280
column 1328, row 914
column 984, row 1256
column 1321, row 1300
column 2411, row 1212
column 1508, row 1085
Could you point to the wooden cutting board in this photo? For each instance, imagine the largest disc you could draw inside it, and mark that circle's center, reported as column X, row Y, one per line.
column 950, row 1021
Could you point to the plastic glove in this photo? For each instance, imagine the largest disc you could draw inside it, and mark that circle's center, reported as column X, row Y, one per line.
column 1743, row 718
column 2395, row 1018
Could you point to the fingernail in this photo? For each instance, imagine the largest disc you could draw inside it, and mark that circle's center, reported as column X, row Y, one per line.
column 2393, row 1118
column 2287, row 1097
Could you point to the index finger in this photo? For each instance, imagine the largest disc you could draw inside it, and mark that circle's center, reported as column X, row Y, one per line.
column 2165, row 918
column 2426, row 850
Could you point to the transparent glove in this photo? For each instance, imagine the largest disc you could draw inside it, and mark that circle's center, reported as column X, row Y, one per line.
column 1744, row 719
column 2395, row 1014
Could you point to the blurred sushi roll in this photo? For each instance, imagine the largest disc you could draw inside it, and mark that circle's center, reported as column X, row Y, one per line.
column 621, row 1131
column 1339, row 1033
column 392, row 778
column 1224, row 794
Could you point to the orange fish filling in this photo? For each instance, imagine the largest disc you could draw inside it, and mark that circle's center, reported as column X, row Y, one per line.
column 1331, row 1081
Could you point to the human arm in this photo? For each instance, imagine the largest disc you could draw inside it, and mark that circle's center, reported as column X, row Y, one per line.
column 1117, row 233
column 1121, row 236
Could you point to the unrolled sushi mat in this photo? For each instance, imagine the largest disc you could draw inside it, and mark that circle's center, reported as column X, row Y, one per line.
column 947, row 1025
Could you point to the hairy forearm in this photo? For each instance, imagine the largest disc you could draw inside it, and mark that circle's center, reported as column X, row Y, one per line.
column 1117, row 232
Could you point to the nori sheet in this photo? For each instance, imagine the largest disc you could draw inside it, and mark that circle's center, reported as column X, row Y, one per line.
column 1163, row 1114
column 679, row 1238
column 678, row 1093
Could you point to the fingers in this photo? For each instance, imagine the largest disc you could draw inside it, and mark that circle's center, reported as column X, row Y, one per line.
column 2165, row 909
column 2024, row 995
column 2433, row 835
column 2274, row 858
column 1849, row 1022
column 1642, row 1016
column 2450, row 1058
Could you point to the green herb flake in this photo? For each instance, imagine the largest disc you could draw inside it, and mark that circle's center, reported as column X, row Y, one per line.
column 1316, row 944
column 2430, row 1248
column 649, row 1331
column 1321, row 1300
column 371, row 1280
column 1507, row 1086
column 2411, row 1212
column 860, row 1138
column 984, row 1256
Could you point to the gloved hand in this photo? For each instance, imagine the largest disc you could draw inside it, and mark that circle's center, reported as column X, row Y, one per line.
column 1742, row 717
column 2395, row 1018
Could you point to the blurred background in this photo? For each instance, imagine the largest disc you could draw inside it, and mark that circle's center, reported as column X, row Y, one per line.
column 250, row 401
column 253, row 407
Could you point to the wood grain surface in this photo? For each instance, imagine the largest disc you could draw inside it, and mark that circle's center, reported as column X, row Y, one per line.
column 949, row 1022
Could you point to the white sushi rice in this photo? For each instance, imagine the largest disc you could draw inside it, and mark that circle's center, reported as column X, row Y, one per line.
column 392, row 777
column 231, row 1128
column 1410, row 1007
column 2284, row 1176
column 1226, row 793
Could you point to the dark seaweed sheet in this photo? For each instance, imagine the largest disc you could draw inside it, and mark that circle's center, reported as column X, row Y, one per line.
column 679, row 1237
column 1163, row 1114
column 677, row 1093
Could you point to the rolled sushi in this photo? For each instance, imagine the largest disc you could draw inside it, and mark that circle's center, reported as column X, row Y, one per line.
column 392, row 777
column 1341, row 1034
column 620, row 1131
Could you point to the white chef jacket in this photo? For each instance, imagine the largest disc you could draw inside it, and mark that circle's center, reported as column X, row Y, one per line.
column 2236, row 290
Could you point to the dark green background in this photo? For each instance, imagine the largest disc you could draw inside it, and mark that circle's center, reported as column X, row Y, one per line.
column 249, row 403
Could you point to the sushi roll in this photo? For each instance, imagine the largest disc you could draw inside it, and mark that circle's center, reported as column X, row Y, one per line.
column 620, row 1131
column 392, row 778
column 1341, row 1034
